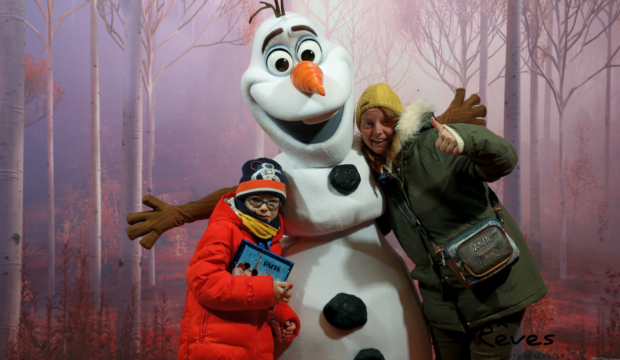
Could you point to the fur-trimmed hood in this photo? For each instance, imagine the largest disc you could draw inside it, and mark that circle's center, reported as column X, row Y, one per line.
column 409, row 124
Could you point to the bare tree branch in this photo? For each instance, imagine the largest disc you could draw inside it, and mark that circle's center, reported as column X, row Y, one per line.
column 65, row 14
column 109, row 24
column 446, row 36
column 38, row 34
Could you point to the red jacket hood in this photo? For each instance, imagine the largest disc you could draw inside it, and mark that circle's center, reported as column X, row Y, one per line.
column 224, row 212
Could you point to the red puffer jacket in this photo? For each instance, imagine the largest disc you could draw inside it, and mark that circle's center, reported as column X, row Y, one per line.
column 228, row 317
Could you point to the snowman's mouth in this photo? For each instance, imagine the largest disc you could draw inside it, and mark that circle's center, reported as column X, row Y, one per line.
column 315, row 133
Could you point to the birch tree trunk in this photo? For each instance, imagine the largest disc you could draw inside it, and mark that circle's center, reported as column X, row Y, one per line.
column 512, row 101
column 150, row 164
column 131, row 169
column 463, row 24
column 484, row 51
column 95, row 158
column 569, row 36
column 150, row 160
column 51, row 226
column 563, row 274
column 149, row 87
column 512, row 116
column 150, row 133
column 546, row 148
column 606, row 163
column 12, row 39
column 48, row 45
column 534, row 164
column 547, row 109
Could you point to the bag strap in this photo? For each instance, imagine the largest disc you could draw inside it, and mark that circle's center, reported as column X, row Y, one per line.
column 495, row 204
column 408, row 212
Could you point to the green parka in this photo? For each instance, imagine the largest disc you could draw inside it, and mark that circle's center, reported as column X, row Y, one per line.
column 449, row 194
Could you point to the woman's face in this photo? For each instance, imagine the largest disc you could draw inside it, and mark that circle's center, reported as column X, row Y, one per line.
column 377, row 130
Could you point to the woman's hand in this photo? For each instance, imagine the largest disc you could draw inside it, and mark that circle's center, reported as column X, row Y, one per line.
column 281, row 292
column 289, row 329
column 446, row 142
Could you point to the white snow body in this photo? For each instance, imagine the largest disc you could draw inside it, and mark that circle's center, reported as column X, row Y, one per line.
column 333, row 238
column 354, row 259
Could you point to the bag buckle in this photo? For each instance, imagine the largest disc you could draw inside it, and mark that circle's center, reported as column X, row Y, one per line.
column 498, row 212
column 439, row 252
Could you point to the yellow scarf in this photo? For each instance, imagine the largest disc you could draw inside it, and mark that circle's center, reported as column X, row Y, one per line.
column 257, row 227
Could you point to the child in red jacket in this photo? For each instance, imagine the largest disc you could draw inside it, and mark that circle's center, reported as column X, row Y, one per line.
column 226, row 316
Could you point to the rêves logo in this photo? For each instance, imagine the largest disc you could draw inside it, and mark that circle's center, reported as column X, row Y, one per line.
column 501, row 340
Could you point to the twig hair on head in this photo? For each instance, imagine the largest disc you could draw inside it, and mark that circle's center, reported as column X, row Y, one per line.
column 278, row 9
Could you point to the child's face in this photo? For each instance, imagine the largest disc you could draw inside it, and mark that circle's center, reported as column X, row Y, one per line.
column 263, row 211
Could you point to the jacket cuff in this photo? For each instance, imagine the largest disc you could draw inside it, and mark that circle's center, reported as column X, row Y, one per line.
column 261, row 293
column 459, row 139
column 283, row 314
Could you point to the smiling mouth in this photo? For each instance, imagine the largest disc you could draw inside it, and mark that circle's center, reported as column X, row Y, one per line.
column 320, row 118
column 312, row 131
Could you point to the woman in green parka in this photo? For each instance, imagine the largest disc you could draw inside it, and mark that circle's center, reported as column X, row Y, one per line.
column 443, row 170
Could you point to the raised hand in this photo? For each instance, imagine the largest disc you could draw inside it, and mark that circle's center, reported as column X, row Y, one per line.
column 468, row 112
column 446, row 142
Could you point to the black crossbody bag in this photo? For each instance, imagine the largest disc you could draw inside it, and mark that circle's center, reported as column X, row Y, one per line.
column 477, row 255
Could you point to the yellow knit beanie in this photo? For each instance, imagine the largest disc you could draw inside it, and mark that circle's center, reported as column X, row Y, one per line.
column 378, row 95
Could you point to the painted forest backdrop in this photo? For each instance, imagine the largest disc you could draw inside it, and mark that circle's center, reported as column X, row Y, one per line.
column 104, row 101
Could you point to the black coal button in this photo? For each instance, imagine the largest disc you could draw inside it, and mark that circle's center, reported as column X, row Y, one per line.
column 369, row 354
column 346, row 312
column 345, row 178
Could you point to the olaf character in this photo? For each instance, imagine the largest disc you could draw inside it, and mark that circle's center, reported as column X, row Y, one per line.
column 299, row 86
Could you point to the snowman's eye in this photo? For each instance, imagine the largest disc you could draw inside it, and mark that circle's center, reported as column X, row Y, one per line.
column 279, row 62
column 309, row 50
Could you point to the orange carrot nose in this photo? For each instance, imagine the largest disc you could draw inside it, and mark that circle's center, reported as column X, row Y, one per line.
column 307, row 77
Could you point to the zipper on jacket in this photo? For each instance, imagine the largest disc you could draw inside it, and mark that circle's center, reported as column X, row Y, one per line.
column 201, row 336
column 257, row 337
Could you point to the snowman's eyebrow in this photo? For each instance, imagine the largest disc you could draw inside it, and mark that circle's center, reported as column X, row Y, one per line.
column 303, row 27
column 271, row 36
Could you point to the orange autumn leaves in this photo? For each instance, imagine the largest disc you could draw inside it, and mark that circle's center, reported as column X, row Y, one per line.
column 35, row 88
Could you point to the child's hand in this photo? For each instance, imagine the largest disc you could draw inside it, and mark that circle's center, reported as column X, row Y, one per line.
column 289, row 329
column 281, row 292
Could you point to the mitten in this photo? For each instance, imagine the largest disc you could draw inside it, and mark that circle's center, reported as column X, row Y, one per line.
column 464, row 112
column 164, row 216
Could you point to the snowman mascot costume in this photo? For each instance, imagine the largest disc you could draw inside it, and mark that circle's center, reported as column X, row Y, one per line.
column 352, row 292
column 300, row 88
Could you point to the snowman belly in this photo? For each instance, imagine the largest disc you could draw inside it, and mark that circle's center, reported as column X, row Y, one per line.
column 357, row 261
column 314, row 207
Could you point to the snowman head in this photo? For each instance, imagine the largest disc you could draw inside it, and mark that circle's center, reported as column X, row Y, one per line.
column 311, row 121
